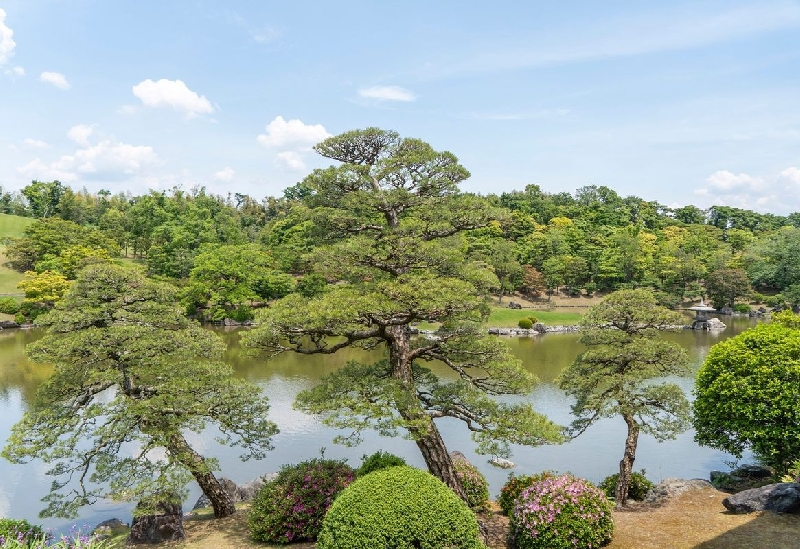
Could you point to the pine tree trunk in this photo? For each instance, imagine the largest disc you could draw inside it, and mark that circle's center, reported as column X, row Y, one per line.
column 220, row 500
column 626, row 465
column 427, row 436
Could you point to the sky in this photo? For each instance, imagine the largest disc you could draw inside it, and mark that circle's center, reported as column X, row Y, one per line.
column 681, row 102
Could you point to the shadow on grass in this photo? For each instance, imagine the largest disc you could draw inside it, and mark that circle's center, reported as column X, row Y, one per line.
column 766, row 531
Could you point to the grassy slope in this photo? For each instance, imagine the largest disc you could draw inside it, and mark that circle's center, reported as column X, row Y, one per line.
column 10, row 226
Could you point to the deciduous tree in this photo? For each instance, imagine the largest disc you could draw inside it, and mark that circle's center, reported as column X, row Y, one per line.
column 132, row 377
column 747, row 393
column 615, row 375
column 391, row 215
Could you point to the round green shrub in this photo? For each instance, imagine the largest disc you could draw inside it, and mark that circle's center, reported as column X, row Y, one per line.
column 741, row 308
column 514, row 487
column 525, row 323
column 638, row 489
column 19, row 530
column 561, row 513
column 473, row 482
column 377, row 461
column 9, row 305
column 399, row 507
column 291, row 507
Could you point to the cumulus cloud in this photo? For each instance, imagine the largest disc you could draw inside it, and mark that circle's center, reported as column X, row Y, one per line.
column 293, row 134
column 107, row 160
column 174, row 94
column 727, row 181
column 290, row 160
column 387, row 93
column 16, row 71
column 80, row 134
column 7, row 43
column 225, row 174
column 790, row 177
column 291, row 140
column 56, row 79
column 34, row 143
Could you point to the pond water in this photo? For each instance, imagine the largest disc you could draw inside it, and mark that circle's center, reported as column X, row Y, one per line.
column 594, row 455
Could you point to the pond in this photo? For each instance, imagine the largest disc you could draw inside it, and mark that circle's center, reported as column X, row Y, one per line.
column 594, row 455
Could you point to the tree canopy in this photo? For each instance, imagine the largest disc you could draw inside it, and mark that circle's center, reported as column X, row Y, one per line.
column 616, row 375
column 747, row 393
column 390, row 219
column 132, row 376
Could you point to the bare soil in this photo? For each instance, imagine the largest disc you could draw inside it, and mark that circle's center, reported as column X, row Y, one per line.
column 693, row 519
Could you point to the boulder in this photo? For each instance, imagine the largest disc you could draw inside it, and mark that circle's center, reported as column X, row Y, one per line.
column 230, row 487
column 726, row 311
column 108, row 528
column 671, row 487
column 782, row 497
column 8, row 324
column 539, row 328
column 239, row 493
column 502, row 463
column 166, row 524
column 715, row 324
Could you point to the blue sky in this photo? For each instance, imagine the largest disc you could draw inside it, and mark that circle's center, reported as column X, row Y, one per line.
column 680, row 102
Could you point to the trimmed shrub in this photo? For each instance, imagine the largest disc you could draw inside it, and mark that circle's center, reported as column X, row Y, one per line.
column 377, row 461
column 21, row 532
column 638, row 489
column 741, row 308
column 511, row 490
column 291, row 507
column 473, row 482
column 525, row 323
column 399, row 507
column 561, row 513
column 9, row 305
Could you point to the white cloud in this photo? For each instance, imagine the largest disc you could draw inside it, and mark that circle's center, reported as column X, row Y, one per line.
column 225, row 174
column 15, row 72
column 128, row 109
column 290, row 160
column 80, row 134
column 172, row 93
column 724, row 180
column 791, row 177
column 387, row 93
column 35, row 143
column 7, row 43
column 108, row 160
column 293, row 134
column 56, row 79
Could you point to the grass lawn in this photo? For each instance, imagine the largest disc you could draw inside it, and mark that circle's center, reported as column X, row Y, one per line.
column 8, row 278
column 13, row 225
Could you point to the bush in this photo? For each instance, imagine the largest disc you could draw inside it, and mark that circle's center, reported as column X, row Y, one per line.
column 291, row 507
column 773, row 300
column 377, row 461
column 399, row 507
column 741, row 308
column 9, row 305
column 514, row 487
column 638, row 489
column 21, row 532
column 473, row 482
column 560, row 513
column 525, row 323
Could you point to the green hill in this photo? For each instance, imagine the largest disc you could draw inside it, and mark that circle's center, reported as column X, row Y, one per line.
column 10, row 225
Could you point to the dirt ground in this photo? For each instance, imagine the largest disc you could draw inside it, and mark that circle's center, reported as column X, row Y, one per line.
column 693, row 519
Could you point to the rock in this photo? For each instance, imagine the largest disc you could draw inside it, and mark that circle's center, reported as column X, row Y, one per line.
column 726, row 311
column 239, row 493
column 671, row 487
column 782, row 497
column 108, row 528
column 164, row 525
column 752, row 471
column 8, row 324
column 230, row 487
column 502, row 463
column 539, row 328
column 715, row 324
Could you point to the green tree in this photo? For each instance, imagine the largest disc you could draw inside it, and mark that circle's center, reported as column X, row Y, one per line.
column 132, row 376
column 391, row 215
column 724, row 286
column 614, row 376
column 43, row 198
column 747, row 393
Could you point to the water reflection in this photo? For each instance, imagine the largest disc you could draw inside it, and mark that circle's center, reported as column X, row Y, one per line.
column 593, row 455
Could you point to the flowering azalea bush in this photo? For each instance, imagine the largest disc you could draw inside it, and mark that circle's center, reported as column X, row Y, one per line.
column 19, row 534
column 291, row 507
column 514, row 487
column 564, row 512
column 473, row 481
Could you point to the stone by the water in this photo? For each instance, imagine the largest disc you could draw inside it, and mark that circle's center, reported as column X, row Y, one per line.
column 782, row 497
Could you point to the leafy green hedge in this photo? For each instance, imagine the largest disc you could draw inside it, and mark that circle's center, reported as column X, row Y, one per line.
column 399, row 507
